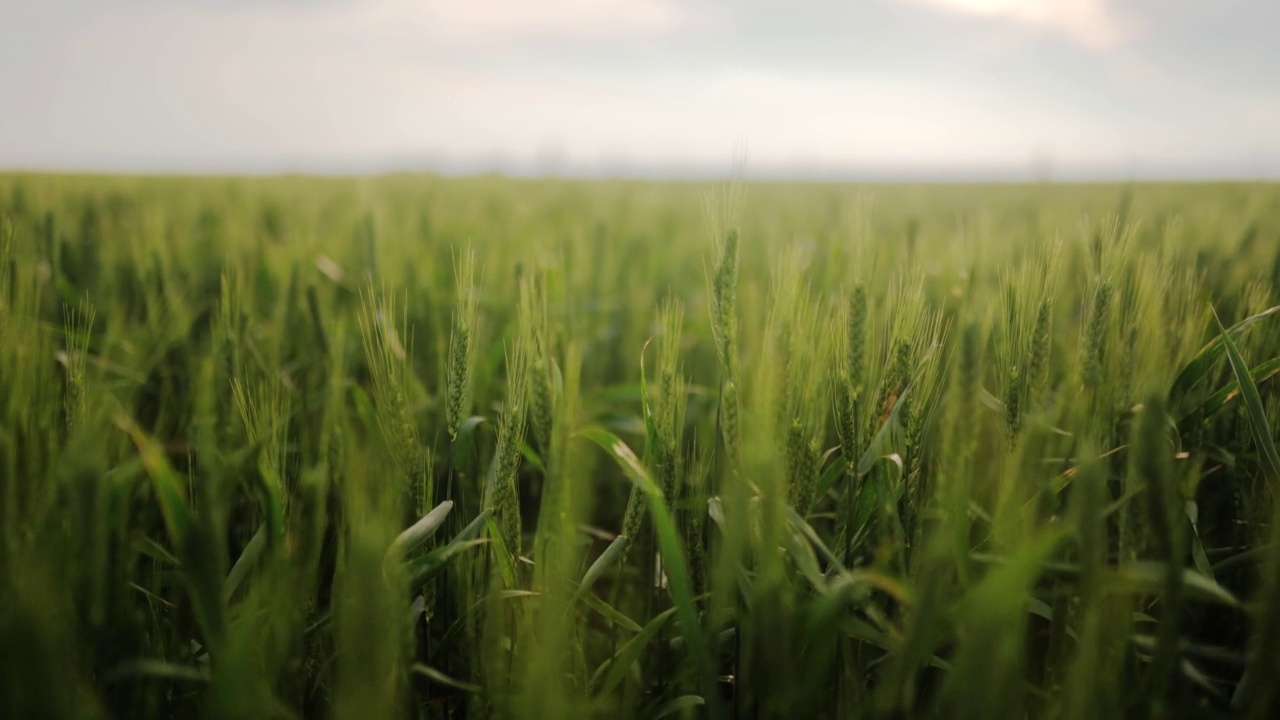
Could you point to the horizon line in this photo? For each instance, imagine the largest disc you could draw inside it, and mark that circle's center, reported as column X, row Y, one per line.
column 671, row 171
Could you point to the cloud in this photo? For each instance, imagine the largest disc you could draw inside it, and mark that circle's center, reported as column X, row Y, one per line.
column 502, row 21
column 1089, row 22
column 247, row 84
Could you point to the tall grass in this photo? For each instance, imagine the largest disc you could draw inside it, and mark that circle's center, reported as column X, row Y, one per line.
column 281, row 448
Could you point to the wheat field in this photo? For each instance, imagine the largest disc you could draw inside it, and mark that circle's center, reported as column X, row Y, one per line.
column 414, row 447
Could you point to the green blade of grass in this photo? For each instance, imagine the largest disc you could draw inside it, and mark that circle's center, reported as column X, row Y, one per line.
column 1231, row 391
column 438, row 677
column 672, row 556
column 193, row 547
column 1149, row 578
column 419, row 532
column 805, row 529
column 610, row 613
column 680, row 704
column 833, row 471
column 802, row 554
column 1253, row 405
column 423, row 569
column 1144, row 577
column 1209, row 355
column 248, row 558
column 429, row 566
column 156, row 670
column 1258, row 700
column 598, row 568
column 167, row 484
column 625, row 458
column 502, row 554
column 615, row 668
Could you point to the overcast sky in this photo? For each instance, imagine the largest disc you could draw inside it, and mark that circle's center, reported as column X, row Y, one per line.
column 1070, row 88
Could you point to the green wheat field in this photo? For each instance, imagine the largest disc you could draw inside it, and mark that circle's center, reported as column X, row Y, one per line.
column 412, row 447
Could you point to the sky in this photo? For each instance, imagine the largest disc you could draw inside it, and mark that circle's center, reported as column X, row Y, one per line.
column 859, row 89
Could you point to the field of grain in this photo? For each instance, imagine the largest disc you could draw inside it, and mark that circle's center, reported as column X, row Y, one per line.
column 411, row 447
